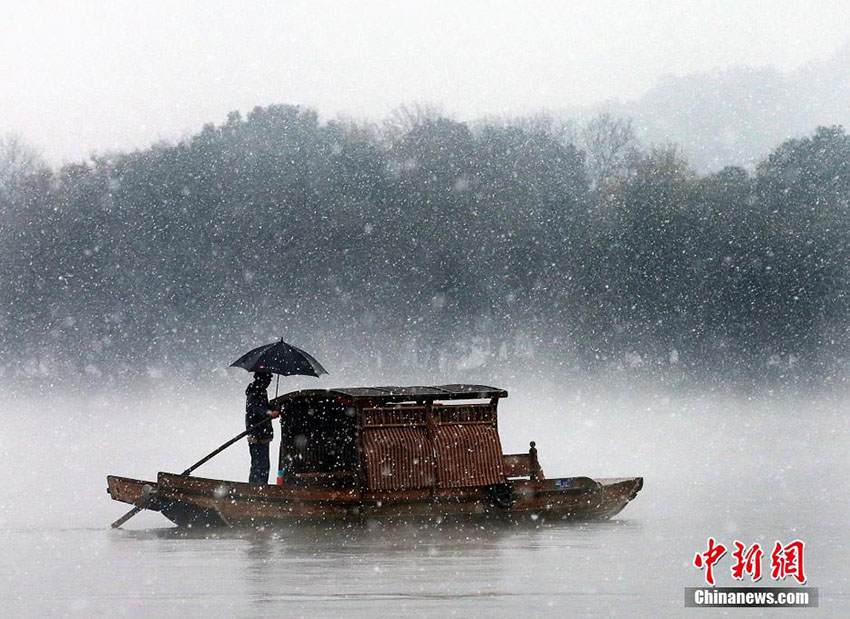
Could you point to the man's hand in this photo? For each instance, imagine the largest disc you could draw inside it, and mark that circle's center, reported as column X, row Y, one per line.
column 274, row 414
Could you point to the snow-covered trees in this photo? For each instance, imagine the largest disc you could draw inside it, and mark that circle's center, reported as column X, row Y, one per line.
column 424, row 239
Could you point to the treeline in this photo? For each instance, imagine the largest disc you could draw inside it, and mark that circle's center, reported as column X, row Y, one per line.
column 425, row 243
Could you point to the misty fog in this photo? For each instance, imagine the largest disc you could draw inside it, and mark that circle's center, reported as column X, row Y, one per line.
column 760, row 467
column 635, row 219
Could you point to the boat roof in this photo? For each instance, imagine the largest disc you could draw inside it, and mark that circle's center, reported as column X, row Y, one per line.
column 397, row 394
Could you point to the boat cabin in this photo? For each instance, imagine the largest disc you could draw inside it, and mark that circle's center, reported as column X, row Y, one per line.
column 392, row 438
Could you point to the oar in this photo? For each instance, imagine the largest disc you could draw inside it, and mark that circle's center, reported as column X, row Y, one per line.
column 145, row 498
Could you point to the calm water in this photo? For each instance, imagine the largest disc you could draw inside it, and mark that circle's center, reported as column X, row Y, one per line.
column 754, row 469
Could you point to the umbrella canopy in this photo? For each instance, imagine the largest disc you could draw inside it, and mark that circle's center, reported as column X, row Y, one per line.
column 280, row 358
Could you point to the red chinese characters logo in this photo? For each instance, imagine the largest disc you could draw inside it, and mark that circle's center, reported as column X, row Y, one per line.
column 747, row 561
column 706, row 560
column 788, row 561
column 785, row 560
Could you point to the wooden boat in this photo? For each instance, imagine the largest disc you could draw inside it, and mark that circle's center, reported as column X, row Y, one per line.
column 385, row 452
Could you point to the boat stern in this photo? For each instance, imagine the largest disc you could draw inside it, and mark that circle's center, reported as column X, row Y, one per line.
column 127, row 490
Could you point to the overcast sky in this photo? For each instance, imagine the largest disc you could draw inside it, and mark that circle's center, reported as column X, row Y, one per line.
column 83, row 77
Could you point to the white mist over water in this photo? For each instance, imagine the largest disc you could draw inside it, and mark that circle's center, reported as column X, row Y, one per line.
column 757, row 469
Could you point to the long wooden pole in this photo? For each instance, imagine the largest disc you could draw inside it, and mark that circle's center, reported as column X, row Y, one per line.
column 144, row 500
column 212, row 454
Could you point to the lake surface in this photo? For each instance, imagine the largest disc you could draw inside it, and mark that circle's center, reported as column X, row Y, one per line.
column 757, row 469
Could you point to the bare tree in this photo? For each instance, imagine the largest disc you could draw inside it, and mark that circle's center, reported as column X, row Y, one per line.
column 406, row 117
column 18, row 160
column 610, row 146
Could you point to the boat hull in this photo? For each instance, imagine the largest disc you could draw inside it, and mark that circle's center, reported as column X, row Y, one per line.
column 197, row 501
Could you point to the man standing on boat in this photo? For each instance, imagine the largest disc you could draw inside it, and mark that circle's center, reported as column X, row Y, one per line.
column 257, row 410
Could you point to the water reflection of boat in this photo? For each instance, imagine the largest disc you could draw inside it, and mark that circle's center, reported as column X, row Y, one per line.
column 385, row 452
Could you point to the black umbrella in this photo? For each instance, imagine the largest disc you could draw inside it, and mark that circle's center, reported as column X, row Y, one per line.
column 280, row 358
